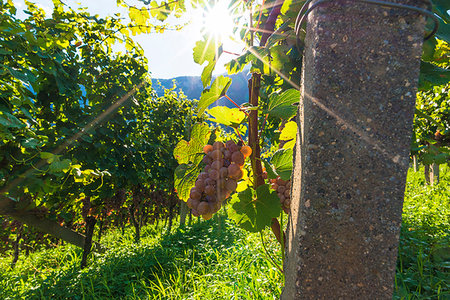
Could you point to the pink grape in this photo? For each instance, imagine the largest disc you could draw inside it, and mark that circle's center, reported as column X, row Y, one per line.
column 238, row 158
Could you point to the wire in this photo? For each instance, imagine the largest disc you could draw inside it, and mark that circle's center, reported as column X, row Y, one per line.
column 305, row 11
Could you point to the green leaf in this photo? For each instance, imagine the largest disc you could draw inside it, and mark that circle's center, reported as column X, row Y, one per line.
column 217, row 90
column 442, row 7
column 281, row 105
column 192, row 151
column 253, row 210
column 443, row 32
column 10, row 121
column 282, row 161
column 432, row 75
column 207, row 73
column 58, row 166
column 31, row 143
column 50, row 157
column 226, row 116
column 238, row 64
column 205, row 50
column 270, row 170
column 289, row 131
column 185, row 177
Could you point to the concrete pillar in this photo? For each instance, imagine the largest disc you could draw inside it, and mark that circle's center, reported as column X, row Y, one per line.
column 360, row 75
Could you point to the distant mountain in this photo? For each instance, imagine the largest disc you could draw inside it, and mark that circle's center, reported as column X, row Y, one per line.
column 192, row 87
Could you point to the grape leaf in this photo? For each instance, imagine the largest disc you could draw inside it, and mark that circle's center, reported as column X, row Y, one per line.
column 281, row 105
column 282, row 161
column 432, row 75
column 192, row 151
column 185, row 177
column 253, row 210
column 217, row 90
column 289, row 131
column 226, row 116
column 289, row 134
column 10, row 121
column 207, row 50
column 269, row 169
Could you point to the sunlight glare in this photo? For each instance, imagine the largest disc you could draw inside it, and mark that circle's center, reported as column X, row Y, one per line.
column 217, row 20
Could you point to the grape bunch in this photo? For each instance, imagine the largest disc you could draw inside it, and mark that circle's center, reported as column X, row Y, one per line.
column 224, row 163
column 283, row 188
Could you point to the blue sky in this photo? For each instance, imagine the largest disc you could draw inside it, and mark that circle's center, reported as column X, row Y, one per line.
column 169, row 54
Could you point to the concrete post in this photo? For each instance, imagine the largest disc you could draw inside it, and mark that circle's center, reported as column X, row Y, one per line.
column 360, row 74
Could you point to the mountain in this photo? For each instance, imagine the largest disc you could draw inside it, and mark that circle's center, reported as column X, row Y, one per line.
column 192, row 87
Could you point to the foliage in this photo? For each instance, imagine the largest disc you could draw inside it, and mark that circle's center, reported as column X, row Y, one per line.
column 215, row 259
column 424, row 253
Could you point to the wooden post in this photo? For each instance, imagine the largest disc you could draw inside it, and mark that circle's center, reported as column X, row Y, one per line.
column 434, row 174
column 359, row 83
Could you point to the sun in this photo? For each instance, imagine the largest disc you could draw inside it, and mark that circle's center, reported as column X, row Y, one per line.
column 217, row 20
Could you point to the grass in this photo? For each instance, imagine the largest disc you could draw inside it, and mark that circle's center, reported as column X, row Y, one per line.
column 423, row 269
column 215, row 260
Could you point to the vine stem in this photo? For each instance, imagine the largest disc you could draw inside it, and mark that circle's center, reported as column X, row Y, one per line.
column 268, row 255
column 226, row 96
column 232, row 53
column 240, row 137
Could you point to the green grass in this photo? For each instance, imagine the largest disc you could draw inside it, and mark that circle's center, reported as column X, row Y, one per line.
column 215, row 260
column 423, row 269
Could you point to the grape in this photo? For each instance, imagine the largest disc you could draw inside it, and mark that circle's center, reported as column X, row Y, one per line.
column 207, row 167
column 229, row 143
column 189, row 203
column 221, row 184
column 214, row 206
column 207, row 216
column 200, row 185
column 216, row 155
column 210, row 190
column 232, row 146
column 213, row 174
column 284, row 192
column 210, row 181
column 231, row 185
column 195, row 195
column 203, row 176
column 227, row 154
column 218, row 145
column 246, row 151
column 216, row 165
column 233, row 170
column 238, row 158
column 203, row 208
column 206, row 159
column 207, row 149
column 281, row 189
column 223, row 172
column 239, row 175
column 195, row 213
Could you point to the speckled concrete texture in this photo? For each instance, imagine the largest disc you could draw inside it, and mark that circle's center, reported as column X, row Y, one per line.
column 360, row 75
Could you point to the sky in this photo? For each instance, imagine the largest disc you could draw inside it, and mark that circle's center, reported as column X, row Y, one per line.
column 169, row 54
